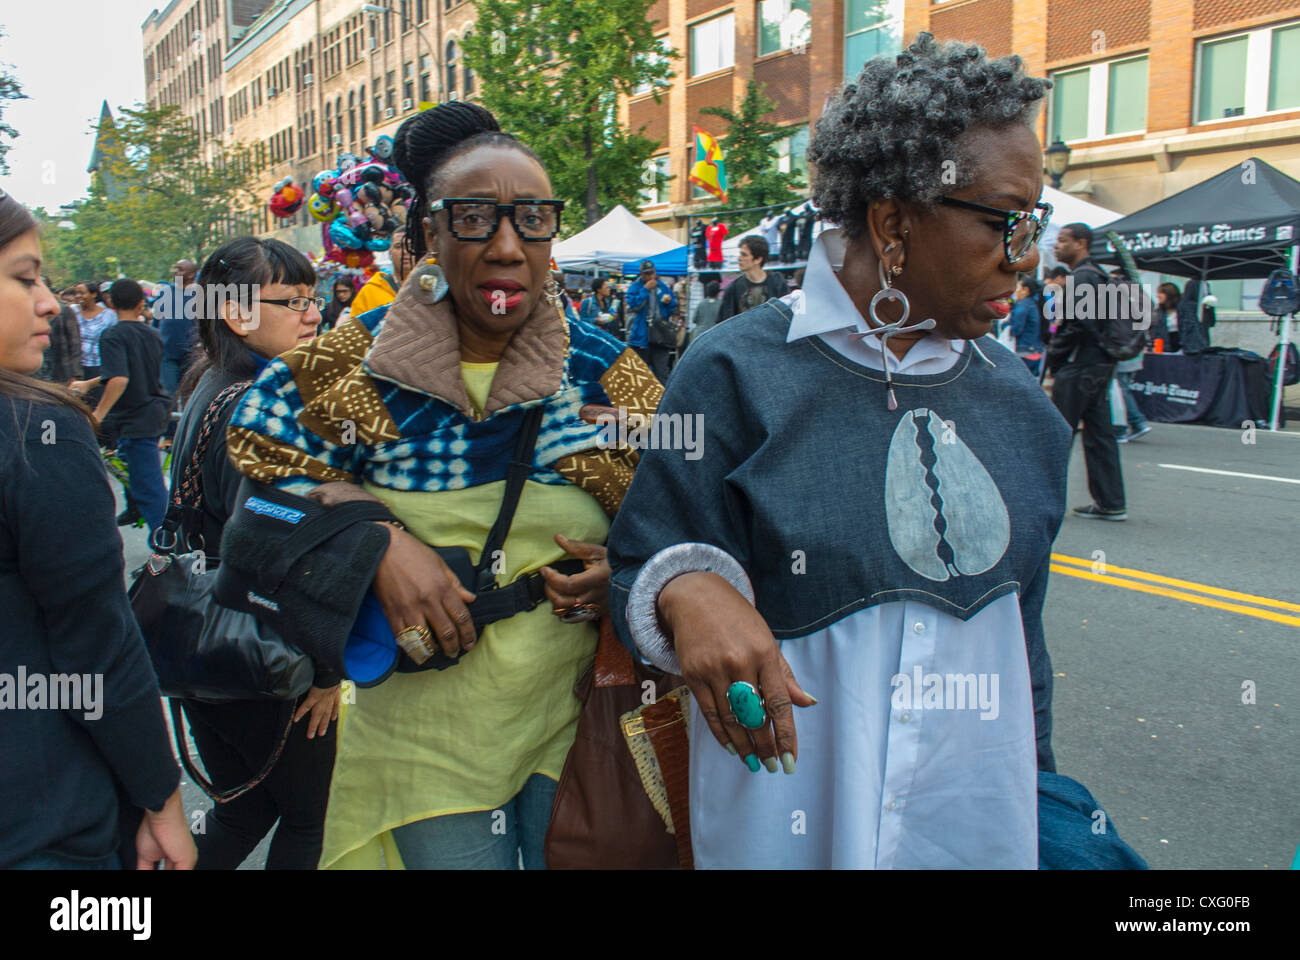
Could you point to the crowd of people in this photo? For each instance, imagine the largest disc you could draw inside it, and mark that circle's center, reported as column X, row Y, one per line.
column 458, row 403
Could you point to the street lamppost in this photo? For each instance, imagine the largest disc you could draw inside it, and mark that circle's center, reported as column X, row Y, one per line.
column 1056, row 159
column 375, row 9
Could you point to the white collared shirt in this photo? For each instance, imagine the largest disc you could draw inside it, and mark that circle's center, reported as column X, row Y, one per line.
column 823, row 308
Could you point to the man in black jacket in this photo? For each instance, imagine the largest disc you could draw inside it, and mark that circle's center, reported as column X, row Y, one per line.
column 755, row 285
column 1083, row 371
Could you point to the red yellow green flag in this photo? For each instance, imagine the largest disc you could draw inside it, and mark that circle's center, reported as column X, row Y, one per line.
column 709, row 172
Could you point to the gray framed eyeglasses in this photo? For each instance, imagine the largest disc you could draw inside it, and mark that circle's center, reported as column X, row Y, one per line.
column 299, row 304
column 1021, row 228
column 476, row 219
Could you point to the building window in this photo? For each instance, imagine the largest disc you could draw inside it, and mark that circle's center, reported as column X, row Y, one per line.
column 783, row 25
column 468, row 76
column 453, row 53
column 379, row 99
column 1100, row 100
column 653, row 58
column 426, row 85
column 390, row 90
column 1248, row 74
column 872, row 28
column 654, row 193
column 713, row 44
column 792, row 153
column 408, row 82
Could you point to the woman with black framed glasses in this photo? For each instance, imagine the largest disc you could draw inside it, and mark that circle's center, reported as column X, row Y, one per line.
column 420, row 405
column 256, row 301
column 874, row 522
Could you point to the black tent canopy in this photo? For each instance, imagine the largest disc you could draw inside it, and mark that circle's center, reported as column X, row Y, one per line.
column 1240, row 223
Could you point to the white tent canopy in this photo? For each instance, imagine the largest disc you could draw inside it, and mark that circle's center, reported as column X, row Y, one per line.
column 609, row 242
column 1067, row 208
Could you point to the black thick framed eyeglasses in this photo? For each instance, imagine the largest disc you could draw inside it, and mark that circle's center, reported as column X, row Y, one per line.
column 476, row 219
column 1023, row 228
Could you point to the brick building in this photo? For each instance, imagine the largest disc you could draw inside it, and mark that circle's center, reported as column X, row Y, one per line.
column 800, row 50
column 183, row 48
column 1151, row 96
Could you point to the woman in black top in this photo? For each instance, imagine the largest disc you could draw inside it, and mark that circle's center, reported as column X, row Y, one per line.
column 236, row 739
column 87, row 748
column 343, row 292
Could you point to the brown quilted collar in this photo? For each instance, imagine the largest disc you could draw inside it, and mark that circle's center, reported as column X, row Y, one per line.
column 418, row 347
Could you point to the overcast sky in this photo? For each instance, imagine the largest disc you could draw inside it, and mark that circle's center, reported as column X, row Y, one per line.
column 69, row 56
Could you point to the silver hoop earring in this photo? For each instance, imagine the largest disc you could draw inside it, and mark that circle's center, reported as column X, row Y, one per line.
column 551, row 291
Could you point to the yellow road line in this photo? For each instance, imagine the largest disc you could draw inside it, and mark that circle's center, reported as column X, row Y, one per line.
column 1176, row 595
column 1173, row 582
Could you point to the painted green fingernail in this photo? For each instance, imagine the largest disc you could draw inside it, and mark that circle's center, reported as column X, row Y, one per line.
column 770, row 763
column 751, row 761
column 787, row 762
column 731, row 749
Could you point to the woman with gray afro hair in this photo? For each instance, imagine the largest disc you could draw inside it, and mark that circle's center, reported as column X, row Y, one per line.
column 881, row 494
column 894, row 132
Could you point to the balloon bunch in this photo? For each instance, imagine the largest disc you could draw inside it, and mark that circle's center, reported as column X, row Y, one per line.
column 360, row 204
column 286, row 200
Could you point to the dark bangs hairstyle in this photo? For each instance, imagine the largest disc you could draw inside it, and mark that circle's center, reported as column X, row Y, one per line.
column 233, row 267
column 14, row 222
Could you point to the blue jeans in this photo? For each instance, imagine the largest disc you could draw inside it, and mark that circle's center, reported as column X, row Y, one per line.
column 144, row 467
column 485, row 840
column 170, row 374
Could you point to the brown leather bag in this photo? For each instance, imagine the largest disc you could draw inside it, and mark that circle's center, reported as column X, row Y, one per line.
column 602, row 817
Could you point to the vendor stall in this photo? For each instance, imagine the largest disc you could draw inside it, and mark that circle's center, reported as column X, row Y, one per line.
column 1242, row 223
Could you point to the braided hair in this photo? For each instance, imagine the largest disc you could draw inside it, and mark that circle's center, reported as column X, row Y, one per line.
column 426, row 142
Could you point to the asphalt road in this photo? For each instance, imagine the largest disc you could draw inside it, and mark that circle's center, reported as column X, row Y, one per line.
column 1148, row 702
column 1148, row 707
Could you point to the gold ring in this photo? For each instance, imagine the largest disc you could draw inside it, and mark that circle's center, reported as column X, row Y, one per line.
column 413, row 636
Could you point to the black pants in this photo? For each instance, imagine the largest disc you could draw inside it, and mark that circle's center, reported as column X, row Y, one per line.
column 657, row 359
column 234, row 741
column 1082, row 394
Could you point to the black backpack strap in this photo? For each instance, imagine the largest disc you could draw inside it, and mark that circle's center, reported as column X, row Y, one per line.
column 521, row 467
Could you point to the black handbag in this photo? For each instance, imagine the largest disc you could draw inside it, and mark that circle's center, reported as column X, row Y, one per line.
column 200, row 649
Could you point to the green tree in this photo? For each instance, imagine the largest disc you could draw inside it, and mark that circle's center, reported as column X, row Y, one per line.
column 153, row 199
column 10, row 89
column 551, row 72
column 749, row 153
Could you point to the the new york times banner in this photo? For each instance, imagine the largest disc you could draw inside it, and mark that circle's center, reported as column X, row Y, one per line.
column 1176, row 389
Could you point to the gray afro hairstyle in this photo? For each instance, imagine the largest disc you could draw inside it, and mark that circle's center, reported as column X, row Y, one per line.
column 889, row 133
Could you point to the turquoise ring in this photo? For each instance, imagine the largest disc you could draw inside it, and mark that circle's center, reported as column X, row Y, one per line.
column 746, row 705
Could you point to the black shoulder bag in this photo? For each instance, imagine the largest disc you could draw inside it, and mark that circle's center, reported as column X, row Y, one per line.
column 200, row 649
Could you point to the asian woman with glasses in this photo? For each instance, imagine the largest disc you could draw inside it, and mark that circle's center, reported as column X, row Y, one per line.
column 457, row 768
column 257, row 300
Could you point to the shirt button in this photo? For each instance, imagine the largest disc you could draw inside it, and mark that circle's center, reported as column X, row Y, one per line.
column 891, row 804
column 905, row 716
column 918, row 627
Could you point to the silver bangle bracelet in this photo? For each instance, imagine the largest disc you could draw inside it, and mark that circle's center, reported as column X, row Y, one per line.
column 664, row 566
